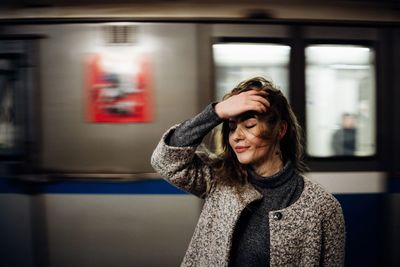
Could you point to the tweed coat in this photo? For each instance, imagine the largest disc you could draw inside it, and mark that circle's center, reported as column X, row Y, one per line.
column 310, row 232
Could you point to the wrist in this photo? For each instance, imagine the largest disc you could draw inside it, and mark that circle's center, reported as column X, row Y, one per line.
column 217, row 110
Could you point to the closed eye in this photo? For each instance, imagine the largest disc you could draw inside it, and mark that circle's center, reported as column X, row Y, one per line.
column 250, row 126
column 250, row 123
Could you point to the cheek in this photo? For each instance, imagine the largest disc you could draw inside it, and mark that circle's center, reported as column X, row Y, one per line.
column 255, row 131
column 259, row 143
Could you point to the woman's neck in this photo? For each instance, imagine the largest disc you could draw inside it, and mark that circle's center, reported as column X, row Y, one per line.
column 268, row 167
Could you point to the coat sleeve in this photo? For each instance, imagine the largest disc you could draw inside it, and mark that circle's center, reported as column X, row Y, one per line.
column 333, row 239
column 182, row 166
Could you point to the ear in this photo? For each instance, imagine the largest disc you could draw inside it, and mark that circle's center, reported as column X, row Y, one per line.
column 282, row 129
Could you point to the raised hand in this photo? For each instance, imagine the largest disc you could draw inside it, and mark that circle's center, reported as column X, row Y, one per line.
column 252, row 100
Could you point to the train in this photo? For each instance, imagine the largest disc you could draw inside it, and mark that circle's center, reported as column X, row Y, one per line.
column 85, row 99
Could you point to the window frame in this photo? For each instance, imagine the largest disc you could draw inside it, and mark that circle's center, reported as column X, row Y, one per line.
column 351, row 163
column 297, row 41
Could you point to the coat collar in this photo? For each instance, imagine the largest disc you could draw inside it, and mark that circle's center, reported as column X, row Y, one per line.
column 251, row 194
column 248, row 195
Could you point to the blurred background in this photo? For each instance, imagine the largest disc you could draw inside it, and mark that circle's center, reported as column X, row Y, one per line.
column 88, row 87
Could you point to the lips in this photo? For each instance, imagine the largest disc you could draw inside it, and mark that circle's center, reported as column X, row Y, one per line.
column 241, row 149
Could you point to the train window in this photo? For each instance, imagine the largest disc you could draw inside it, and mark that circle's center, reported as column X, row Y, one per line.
column 235, row 62
column 7, row 106
column 340, row 100
column 15, row 102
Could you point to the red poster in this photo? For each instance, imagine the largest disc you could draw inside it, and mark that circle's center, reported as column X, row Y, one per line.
column 118, row 89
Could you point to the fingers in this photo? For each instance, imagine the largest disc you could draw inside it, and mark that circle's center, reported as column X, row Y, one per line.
column 260, row 99
column 252, row 100
column 254, row 91
column 257, row 101
column 258, row 96
column 257, row 106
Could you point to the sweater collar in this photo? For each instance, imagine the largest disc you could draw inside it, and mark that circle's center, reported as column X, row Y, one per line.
column 272, row 181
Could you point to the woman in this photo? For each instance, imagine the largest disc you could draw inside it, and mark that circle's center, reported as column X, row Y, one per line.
column 259, row 210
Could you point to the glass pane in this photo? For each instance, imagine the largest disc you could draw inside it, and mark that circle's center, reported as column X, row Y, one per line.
column 340, row 95
column 235, row 62
column 7, row 106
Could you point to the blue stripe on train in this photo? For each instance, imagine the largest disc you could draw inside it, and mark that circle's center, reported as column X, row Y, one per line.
column 88, row 187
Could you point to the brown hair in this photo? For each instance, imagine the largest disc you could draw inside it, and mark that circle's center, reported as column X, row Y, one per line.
column 229, row 170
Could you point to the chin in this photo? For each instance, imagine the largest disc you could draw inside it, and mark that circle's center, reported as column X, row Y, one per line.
column 244, row 159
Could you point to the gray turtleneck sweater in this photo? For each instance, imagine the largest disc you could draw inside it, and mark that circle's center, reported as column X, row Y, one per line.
column 251, row 243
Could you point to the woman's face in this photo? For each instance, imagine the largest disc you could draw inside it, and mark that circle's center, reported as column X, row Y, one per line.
column 246, row 139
